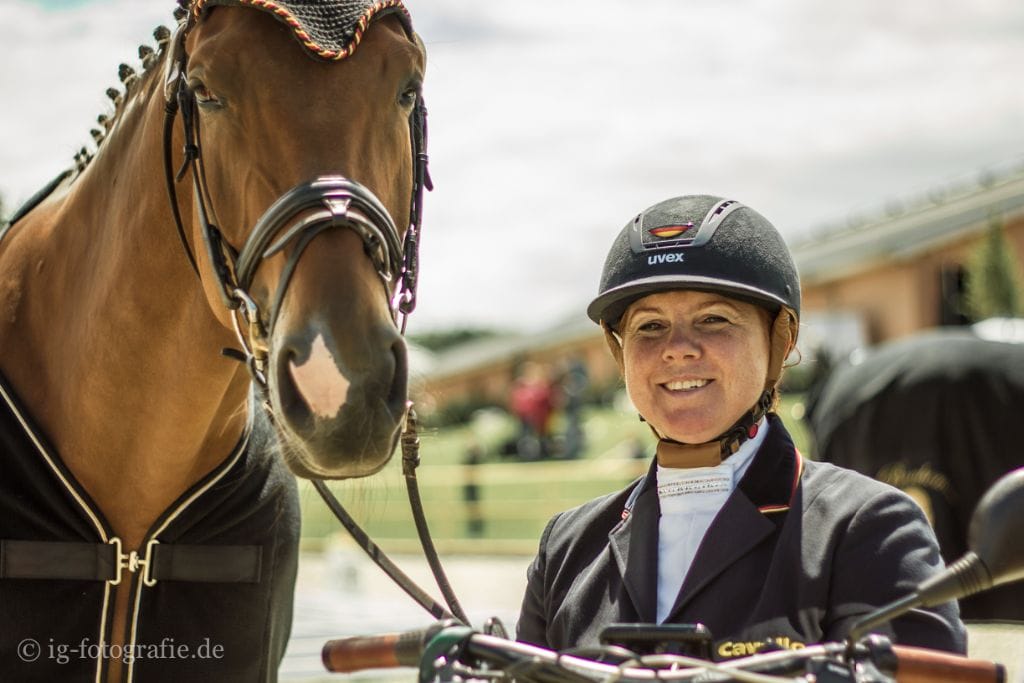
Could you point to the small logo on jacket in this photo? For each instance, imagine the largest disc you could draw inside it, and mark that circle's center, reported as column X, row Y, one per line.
column 743, row 648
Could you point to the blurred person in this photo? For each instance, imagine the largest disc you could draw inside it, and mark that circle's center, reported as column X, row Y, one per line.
column 731, row 527
column 574, row 384
column 532, row 401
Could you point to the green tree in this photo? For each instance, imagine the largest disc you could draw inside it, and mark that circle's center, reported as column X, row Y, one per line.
column 994, row 277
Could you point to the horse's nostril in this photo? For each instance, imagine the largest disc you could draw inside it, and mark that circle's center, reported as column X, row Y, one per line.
column 287, row 395
column 398, row 393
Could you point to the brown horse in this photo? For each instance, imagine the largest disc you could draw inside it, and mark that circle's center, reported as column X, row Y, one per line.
column 129, row 435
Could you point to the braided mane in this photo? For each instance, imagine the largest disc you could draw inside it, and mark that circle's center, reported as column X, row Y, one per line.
column 330, row 30
column 131, row 80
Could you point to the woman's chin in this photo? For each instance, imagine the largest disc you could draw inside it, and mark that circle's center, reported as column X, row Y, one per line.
column 693, row 426
column 695, row 434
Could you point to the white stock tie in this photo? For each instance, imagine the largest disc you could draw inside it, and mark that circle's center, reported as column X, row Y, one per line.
column 689, row 499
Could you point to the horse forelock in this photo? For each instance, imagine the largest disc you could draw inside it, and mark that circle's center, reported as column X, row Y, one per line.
column 327, row 29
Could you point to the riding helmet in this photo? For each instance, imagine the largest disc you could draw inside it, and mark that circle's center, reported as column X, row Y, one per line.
column 697, row 242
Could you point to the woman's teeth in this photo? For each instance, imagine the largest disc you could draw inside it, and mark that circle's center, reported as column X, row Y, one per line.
column 687, row 384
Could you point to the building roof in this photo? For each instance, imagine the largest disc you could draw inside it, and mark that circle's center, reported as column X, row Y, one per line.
column 899, row 231
column 907, row 228
column 483, row 353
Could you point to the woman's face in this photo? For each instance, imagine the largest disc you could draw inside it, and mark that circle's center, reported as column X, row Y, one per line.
column 694, row 361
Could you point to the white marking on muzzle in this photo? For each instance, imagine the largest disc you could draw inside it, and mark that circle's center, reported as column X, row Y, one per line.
column 321, row 384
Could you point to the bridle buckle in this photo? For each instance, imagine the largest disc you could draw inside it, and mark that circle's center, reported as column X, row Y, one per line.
column 255, row 344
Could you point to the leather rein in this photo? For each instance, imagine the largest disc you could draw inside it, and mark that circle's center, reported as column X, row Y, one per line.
column 325, row 202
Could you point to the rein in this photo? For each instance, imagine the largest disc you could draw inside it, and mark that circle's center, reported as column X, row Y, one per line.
column 326, row 202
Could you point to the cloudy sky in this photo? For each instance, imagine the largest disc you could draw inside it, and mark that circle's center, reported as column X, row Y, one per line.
column 552, row 122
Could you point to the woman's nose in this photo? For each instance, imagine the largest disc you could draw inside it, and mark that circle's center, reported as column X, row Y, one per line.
column 681, row 343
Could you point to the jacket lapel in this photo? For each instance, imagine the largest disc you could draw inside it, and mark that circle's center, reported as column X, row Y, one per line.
column 634, row 545
column 738, row 527
column 748, row 516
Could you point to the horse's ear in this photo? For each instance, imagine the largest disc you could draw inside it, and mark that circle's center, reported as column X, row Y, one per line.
column 174, row 63
column 421, row 45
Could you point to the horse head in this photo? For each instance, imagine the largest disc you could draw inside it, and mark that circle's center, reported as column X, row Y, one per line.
column 290, row 137
column 306, row 163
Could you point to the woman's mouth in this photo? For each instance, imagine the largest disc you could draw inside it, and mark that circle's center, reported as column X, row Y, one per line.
column 686, row 385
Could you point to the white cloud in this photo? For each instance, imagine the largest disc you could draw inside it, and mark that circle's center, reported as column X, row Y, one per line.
column 553, row 122
column 55, row 68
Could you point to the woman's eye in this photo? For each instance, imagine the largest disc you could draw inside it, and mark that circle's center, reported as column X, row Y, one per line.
column 713, row 319
column 650, row 326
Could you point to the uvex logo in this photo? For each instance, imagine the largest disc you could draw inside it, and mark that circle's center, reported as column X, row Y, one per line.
column 655, row 259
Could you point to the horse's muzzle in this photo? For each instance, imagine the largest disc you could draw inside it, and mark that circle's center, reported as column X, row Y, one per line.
column 339, row 418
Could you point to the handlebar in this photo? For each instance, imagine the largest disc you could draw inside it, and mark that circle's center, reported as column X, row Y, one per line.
column 383, row 651
column 920, row 665
column 901, row 663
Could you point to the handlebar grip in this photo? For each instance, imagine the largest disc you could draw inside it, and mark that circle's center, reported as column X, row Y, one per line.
column 347, row 655
column 920, row 665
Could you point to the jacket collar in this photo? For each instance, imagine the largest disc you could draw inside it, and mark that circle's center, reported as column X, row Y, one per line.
column 771, row 481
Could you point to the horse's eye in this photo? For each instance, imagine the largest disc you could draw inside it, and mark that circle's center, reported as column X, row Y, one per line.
column 409, row 96
column 203, row 94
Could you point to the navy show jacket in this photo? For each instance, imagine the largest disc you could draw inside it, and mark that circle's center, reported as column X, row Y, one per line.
column 799, row 551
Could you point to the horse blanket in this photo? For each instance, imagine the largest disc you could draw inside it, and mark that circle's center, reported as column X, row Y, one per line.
column 211, row 594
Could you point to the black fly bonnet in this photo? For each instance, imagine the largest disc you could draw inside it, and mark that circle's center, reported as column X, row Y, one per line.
column 328, row 29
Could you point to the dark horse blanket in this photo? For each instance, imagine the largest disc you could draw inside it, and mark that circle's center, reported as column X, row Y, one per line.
column 222, row 573
column 938, row 415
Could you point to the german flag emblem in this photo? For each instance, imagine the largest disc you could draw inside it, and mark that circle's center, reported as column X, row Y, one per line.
column 665, row 232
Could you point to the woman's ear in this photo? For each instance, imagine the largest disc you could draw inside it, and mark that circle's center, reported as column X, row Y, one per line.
column 614, row 342
column 782, row 340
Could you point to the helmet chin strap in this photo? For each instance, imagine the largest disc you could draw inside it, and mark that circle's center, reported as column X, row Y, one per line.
column 673, row 453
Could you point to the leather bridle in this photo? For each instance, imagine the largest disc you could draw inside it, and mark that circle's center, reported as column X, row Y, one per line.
column 325, row 202
column 298, row 216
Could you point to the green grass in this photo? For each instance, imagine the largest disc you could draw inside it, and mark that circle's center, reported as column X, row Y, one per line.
column 516, row 499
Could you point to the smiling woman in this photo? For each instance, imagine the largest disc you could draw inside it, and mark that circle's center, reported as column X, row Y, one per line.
column 731, row 527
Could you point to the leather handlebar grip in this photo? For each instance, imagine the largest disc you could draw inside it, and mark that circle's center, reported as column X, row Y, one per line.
column 347, row 655
column 920, row 665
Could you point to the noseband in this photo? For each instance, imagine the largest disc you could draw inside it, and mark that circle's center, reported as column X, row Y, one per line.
column 299, row 215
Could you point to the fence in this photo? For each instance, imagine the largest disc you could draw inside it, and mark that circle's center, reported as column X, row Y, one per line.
column 494, row 507
column 513, row 502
